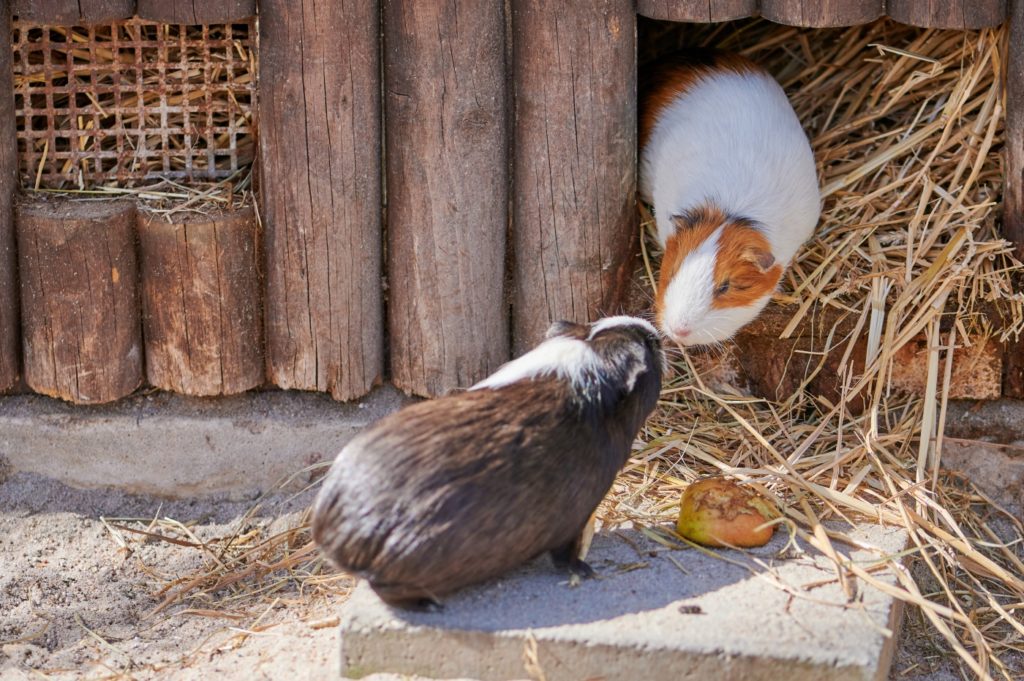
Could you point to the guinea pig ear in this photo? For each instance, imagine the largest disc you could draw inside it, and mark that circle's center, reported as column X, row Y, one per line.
column 681, row 222
column 566, row 328
column 761, row 258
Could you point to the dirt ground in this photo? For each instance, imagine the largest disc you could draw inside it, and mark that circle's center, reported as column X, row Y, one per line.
column 77, row 598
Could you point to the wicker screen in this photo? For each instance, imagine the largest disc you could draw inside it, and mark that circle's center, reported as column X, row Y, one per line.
column 132, row 100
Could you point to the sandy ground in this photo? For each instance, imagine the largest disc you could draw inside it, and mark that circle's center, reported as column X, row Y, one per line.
column 74, row 603
column 77, row 602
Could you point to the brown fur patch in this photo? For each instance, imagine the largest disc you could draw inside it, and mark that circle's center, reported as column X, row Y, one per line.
column 691, row 231
column 743, row 253
column 668, row 78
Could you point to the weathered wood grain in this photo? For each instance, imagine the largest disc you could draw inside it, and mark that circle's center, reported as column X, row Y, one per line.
column 10, row 341
column 81, row 332
column 195, row 11
column 1013, row 189
column 319, row 114
column 697, row 11
column 202, row 313
column 72, row 12
column 821, row 13
column 948, row 13
column 447, row 187
column 574, row 214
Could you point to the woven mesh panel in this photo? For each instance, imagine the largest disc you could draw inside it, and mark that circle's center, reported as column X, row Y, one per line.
column 132, row 100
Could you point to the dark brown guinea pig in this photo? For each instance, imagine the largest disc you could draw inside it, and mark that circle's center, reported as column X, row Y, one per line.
column 453, row 491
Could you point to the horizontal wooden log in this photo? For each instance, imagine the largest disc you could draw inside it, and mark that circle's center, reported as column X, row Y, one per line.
column 574, row 219
column 319, row 113
column 960, row 14
column 72, row 12
column 195, row 11
column 202, row 309
column 81, row 331
column 822, row 13
column 447, row 180
column 696, row 11
column 10, row 342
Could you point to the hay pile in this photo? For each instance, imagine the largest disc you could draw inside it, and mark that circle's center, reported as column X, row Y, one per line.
column 906, row 125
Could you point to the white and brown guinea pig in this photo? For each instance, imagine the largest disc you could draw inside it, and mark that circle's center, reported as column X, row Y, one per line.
column 732, row 179
column 456, row 490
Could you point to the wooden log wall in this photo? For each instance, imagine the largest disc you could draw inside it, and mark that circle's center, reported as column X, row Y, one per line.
column 570, row 145
column 959, row 14
column 10, row 342
column 79, row 301
column 696, row 11
column 822, row 13
column 574, row 70
column 201, row 304
column 319, row 113
column 447, row 180
column 1013, row 193
column 72, row 12
column 193, row 12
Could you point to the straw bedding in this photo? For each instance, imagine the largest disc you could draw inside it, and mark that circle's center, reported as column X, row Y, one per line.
column 906, row 125
column 907, row 128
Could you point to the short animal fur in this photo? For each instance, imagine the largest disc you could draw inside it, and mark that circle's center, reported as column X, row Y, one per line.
column 446, row 493
column 731, row 176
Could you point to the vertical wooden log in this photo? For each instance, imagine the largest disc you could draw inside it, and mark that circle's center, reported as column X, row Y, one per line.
column 202, row 310
column 447, row 185
column 697, row 11
column 72, row 12
column 574, row 69
column 822, row 13
column 79, row 304
column 195, row 12
column 960, row 14
column 1013, row 189
column 9, row 336
column 319, row 112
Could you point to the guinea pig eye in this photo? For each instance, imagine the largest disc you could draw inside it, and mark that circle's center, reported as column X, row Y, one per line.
column 723, row 288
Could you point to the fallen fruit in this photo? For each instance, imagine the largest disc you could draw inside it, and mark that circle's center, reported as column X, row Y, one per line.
column 720, row 512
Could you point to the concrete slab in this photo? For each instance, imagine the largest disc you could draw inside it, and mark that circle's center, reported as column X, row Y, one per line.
column 654, row 614
column 177, row 446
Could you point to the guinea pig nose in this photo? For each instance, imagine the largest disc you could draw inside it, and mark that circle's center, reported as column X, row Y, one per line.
column 680, row 331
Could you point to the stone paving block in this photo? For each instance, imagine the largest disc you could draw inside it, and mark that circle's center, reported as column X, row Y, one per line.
column 653, row 614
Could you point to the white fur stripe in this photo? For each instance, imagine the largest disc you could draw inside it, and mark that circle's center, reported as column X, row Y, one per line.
column 567, row 358
column 620, row 320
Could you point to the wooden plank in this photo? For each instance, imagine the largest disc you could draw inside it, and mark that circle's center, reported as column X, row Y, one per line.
column 447, row 179
column 195, row 11
column 959, row 14
column 574, row 214
column 72, row 12
column 1013, row 371
column 10, row 341
column 79, row 304
column 697, row 11
column 1013, row 192
column 202, row 310
column 822, row 13
column 319, row 113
